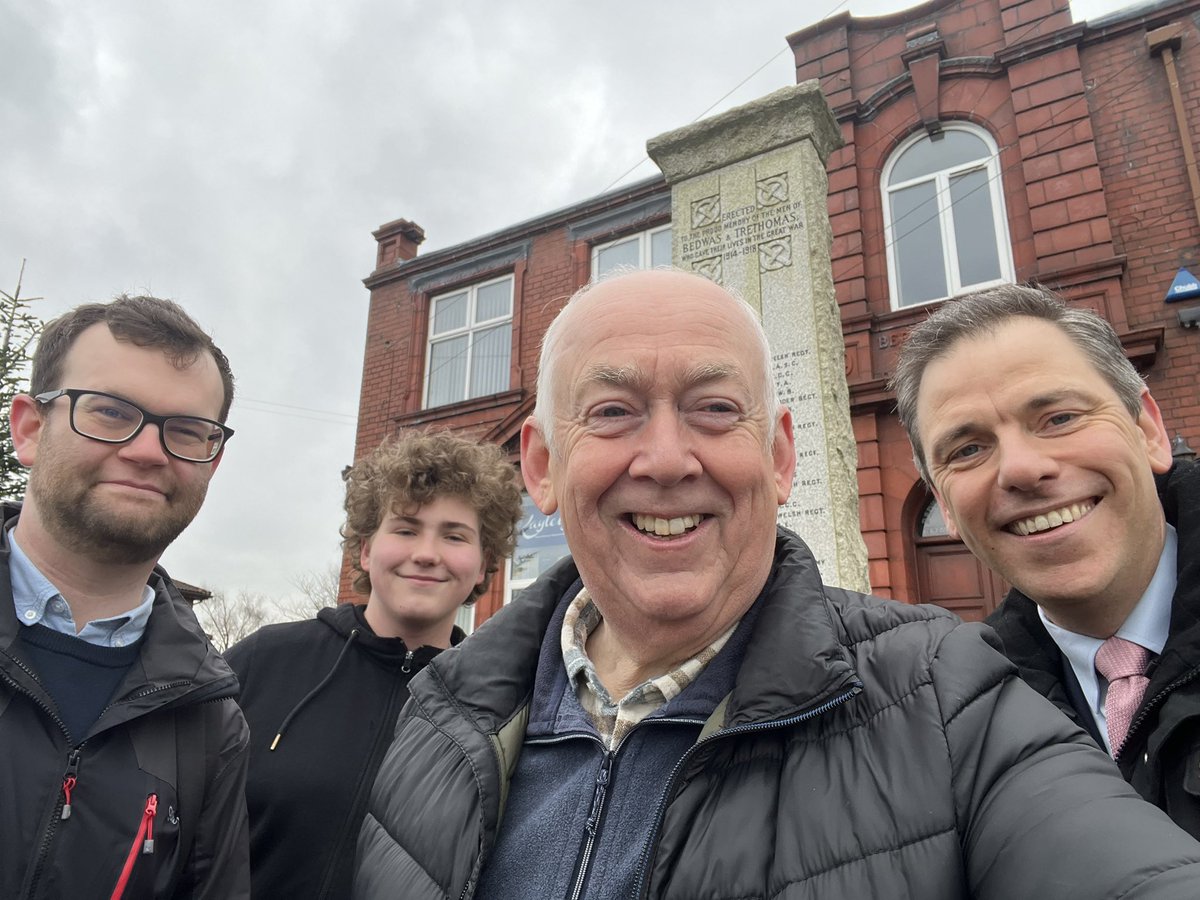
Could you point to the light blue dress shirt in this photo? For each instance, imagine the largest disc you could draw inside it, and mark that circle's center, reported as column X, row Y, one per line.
column 37, row 601
column 1148, row 625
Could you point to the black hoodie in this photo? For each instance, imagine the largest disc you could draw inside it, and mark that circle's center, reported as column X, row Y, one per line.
column 331, row 690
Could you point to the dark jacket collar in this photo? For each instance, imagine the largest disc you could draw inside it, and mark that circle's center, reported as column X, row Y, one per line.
column 795, row 659
column 1179, row 491
column 177, row 664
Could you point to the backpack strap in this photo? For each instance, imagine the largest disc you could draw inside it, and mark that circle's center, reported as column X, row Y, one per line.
column 193, row 771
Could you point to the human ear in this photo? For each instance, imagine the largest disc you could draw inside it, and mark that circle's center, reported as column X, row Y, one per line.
column 26, row 425
column 783, row 455
column 1158, row 445
column 535, row 467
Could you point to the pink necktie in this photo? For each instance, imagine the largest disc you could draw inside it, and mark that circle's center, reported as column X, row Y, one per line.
column 1123, row 664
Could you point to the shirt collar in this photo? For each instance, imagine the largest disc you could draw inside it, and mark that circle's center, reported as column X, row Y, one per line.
column 613, row 718
column 36, row 601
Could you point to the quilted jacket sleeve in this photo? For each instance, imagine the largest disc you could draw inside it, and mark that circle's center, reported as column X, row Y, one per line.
column 1043, row 812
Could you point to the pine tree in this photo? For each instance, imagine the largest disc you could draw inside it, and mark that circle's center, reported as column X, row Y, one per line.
column 20, row 329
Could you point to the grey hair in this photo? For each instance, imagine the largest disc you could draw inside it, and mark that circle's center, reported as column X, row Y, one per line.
column 543, row 411
column 984, row 312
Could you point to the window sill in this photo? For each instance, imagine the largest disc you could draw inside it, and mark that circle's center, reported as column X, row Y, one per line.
column 462, row 408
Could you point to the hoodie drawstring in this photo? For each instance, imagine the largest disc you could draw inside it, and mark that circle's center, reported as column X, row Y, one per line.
column 324, row 681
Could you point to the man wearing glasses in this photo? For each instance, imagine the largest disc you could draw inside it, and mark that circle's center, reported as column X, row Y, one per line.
column 123, row 747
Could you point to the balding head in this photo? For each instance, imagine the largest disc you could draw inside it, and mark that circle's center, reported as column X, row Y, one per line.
column 571, row 324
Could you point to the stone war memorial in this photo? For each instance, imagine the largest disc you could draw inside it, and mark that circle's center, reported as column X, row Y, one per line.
column 748, row 211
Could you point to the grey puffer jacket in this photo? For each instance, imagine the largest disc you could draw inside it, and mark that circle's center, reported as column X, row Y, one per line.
column 869, row 749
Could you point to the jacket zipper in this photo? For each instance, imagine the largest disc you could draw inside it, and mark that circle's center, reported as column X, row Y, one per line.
column 1158, row 698
column 664, row 800
column 592, row 826
column 143, row 844
column 70, row 776
column 146, row 693
column 62, row 811
column 598, row 798
column 68, row 785
column 48, row 710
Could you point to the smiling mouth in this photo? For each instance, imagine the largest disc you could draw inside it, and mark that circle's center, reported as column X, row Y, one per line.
column 144, row 488
column 1051, row 520
column 648, row 524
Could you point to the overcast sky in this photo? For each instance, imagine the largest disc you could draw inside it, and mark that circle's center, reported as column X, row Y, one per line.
column 235, row 156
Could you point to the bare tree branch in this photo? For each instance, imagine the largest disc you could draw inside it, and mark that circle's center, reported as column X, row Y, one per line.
column 318, row 589
column 228, row 618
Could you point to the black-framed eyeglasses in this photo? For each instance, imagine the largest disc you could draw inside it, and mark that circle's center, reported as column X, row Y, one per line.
column 103, row 417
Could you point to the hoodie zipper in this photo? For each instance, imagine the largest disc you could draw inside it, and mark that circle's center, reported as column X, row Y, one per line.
column 664, row 798
column 349, row 834
column 143, row 845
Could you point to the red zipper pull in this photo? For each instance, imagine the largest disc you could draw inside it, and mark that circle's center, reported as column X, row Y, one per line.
column 144, row 838
column 148, row 820
column 69, row 783
column 68, row 786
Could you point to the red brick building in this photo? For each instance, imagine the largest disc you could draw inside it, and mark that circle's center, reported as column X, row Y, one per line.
column 995, row 137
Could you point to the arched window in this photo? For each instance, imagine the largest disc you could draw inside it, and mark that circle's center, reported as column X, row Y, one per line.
column 948, row 575
column 944, row 219
column 932, row 523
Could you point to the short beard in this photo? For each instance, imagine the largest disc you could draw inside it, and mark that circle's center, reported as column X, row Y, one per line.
column 78, row 520
column 93, row 532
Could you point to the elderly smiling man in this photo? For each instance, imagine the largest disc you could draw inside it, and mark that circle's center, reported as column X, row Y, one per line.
column 1050, row 460
column 682, row 710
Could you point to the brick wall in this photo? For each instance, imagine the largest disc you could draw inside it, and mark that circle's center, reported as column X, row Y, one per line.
column 1096, row 192
column 1151, row 210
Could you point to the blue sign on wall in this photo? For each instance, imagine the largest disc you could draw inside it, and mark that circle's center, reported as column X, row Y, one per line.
column 1184, row 287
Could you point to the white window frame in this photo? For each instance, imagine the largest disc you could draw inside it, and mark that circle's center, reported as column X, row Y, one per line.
column 511, row 583
column 465, row 617
column 510, row 588
column 991, row 165
column 644, row 245
column 470, row 329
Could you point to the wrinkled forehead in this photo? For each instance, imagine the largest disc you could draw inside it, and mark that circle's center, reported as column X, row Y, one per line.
column 635, row 378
